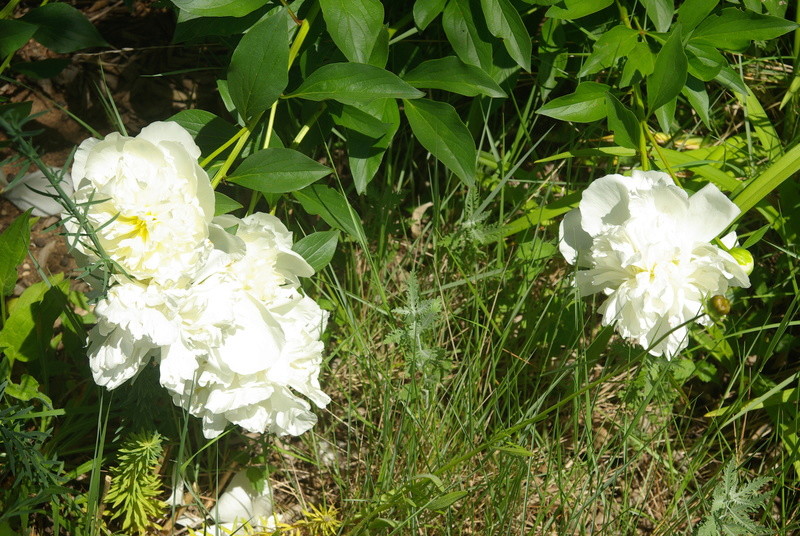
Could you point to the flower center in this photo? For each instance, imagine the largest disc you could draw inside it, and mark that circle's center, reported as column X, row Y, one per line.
column 137, row 227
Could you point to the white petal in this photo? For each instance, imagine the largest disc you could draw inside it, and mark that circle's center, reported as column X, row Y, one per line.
column 605, row 202
column 170, row 131
column 573, row 242
column 710, row 212
column 242, row 502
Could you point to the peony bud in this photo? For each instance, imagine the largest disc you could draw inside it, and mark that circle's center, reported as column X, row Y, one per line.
column 744, row 258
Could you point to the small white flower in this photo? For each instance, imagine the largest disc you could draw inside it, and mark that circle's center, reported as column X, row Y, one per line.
column 147, row 199
column 644, row 243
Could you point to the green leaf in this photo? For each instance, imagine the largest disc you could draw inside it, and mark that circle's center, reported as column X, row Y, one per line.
column 731, row 80
column 622, row 122
column 277, row 170
column 586, row 104
column 63, row 29
column 13, row 249
column 776, row 8
column 380, row 52
column 688, row 159
column 468, row 42
column 365, row 153
column 357, row 120
column 452, row 74
column 354, row 26
column 695, row 93
column 765, row 130
column 756, row 237
column 426, row 10
column 660, row 12
column 612, row 45
column 504, row 22
column 666, row 116
column 259, row 69
column 219, row 8
column 333, row 208
column 318, row 248
column 191, row 26
column 693, row 12
column 353, row 83
column 208, row 130
column 41, row 69
column 669, row 74
column 734, row 29
column 13, row 35
column 575, row 9
column 640, row 60
column 440, row 130
column 758, row 188
column 445, row 501
column 705, row 61
column 29, row 328
column 224, row 204
column 26, row 389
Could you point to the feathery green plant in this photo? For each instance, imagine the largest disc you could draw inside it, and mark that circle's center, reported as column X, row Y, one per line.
column 733, row 506
column 135, row 485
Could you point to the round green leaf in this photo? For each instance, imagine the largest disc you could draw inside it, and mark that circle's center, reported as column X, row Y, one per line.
column 278, row 170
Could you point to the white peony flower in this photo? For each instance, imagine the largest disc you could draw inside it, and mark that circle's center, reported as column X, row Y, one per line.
column 147, row 199
column 644, row 243
column 248, row 339
column 134, row 321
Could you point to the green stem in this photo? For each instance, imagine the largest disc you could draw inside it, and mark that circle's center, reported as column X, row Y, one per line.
column 300, row 38
column 307, row 126
column 657, row 147
column 9, row 9
column 223, row 171
column 207, row 160
column 270, row 124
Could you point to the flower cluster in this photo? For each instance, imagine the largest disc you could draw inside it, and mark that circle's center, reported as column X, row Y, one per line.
column 645, row 243
column 215, row 301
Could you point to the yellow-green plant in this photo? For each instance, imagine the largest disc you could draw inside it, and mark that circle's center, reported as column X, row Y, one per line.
column 135, row 484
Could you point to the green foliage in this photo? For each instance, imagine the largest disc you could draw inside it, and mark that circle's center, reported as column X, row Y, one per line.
column 63, row 29
column 262, row 50
column 419, row 318
column 13, row 249
column 276, row 171
column 135, row 485
column 30, row 477
column 733, row 505
column 318, row 248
